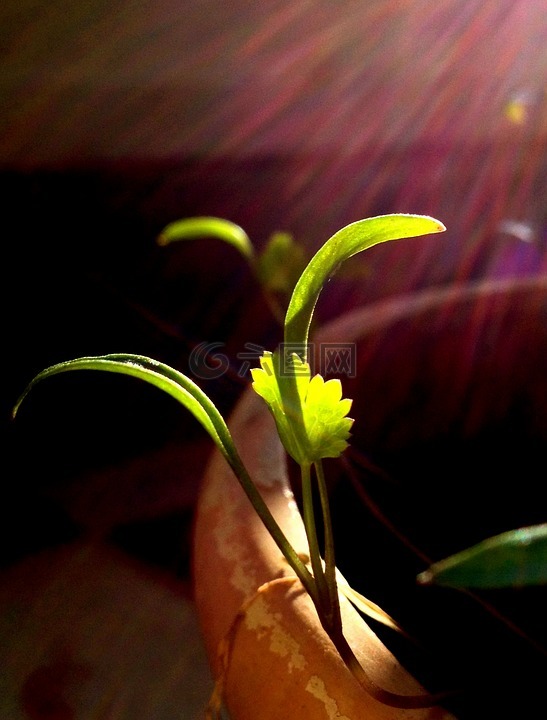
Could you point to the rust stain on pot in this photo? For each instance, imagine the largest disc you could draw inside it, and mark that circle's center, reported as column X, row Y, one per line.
column 260, row 619
column 317, row 688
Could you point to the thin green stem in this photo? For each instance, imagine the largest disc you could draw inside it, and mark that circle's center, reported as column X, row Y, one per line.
column 330, row 561
column 264, row 513
column 387, row 697
column 308, row 514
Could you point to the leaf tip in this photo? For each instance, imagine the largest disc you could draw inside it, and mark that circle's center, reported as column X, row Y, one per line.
column 20, row 399
column 425, row 578
column 434, row 225
column 15, row 408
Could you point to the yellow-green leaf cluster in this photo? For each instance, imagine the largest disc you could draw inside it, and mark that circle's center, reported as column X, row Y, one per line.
column 309, row 412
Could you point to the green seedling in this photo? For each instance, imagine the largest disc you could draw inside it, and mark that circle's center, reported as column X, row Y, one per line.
column 310, row 413
column 276, row 268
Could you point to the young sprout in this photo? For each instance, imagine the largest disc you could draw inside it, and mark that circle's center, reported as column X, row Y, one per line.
column 277, row 268
column 309, row 412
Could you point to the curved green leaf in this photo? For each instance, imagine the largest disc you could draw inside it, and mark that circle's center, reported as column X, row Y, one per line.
column 162, row 376
column 511, row 559
column 180, row 387
column 198, row 227
column 348, row 241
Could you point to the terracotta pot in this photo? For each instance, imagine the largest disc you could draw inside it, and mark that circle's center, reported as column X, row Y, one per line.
column 275, row 658
column 281, row 662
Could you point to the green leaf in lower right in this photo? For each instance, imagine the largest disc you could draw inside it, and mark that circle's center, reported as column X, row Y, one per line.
column 511, row 559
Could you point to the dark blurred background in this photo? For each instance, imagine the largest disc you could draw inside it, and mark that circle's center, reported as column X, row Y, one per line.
column 118, row 118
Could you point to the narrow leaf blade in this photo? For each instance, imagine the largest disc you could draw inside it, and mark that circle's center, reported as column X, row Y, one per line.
column 155, row 373
column 198, row 403
column 199, row 227
column 348, row 241
column 364, row 605
column 511, row 559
